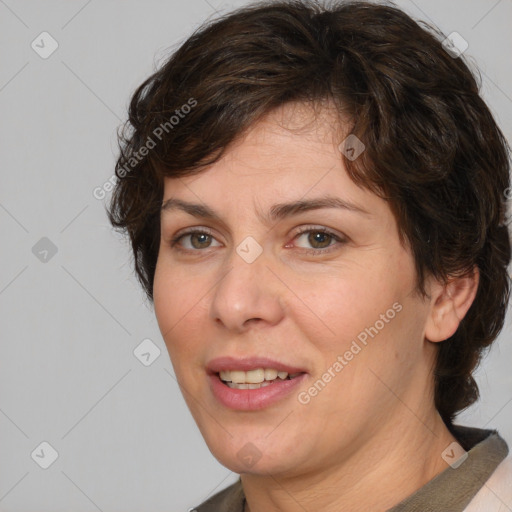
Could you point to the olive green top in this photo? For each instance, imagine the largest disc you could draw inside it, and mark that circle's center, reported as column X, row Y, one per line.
column 452, row 489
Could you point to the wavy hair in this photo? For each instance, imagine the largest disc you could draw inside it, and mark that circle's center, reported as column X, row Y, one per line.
column 433, row 148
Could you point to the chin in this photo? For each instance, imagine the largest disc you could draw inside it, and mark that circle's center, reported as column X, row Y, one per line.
column 255, row 454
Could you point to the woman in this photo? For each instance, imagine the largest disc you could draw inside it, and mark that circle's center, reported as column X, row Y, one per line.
column 315, row 198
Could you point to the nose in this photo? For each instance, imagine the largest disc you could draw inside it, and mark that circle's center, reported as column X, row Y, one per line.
column 247, row 293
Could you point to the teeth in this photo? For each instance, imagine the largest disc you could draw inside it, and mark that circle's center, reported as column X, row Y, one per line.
column 225, row 376
column 249, row 386
column 270, row 374
column 242, row 386
column 237, row 377
column 257, row 377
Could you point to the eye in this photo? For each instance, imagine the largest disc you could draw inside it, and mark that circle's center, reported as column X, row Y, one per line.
column 199, row 239
column 320, row 239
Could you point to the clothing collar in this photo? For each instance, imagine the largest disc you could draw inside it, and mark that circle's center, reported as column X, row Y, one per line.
column 452, row 489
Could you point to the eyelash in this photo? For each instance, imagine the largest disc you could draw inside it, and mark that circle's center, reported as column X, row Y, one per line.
column 307, row 229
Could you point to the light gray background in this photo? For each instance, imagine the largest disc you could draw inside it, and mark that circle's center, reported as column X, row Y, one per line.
column 69, row 326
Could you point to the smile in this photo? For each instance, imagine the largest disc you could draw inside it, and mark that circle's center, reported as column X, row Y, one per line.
column 253, row 383
column 254, row 379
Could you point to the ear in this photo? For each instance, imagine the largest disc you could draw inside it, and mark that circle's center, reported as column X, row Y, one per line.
column 449, row 304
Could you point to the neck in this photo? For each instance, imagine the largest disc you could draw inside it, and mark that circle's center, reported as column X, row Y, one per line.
column 401, row 458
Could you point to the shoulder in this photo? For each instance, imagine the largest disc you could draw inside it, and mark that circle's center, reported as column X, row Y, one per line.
column 496, row 493
column 230, row 499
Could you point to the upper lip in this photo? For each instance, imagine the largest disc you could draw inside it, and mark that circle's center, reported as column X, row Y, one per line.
column 249, row 363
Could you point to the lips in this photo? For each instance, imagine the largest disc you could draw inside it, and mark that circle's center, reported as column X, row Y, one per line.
column 253, row 378
column 250, row 363
column 245, row 396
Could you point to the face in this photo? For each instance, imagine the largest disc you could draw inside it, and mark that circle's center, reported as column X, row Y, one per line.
column 323, row 293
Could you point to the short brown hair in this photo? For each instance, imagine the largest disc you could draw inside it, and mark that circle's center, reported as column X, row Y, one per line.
column 433, row 149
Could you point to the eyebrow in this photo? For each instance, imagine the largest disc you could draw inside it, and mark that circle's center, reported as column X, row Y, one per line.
column 276, row 212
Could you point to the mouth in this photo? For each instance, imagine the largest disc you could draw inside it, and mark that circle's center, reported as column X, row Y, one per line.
column 255, row 379
column 252, row 383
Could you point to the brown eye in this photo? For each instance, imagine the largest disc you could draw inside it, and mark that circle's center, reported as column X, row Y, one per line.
column 202, row 240
column 319, row 240
column 198, row 239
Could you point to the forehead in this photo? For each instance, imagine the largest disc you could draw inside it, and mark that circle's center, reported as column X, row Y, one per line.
column 293, row 131
column 292, row 136
column 290, row 154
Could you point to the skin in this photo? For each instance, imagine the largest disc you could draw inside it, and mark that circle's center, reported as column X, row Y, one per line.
column 372, row 436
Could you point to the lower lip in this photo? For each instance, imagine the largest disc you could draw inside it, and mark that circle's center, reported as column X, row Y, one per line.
column 253, row 399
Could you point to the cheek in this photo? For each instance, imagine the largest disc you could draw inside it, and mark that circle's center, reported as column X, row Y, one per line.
column 339, row 308
column 164, row 299
column 368, row 318
column 178, row 301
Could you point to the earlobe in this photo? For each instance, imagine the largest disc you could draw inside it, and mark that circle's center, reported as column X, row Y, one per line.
column 449, row 304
